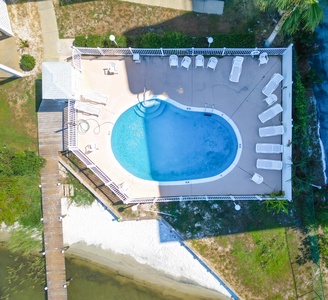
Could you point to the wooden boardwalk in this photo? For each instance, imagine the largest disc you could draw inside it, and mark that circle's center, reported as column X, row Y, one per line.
column 50, row 124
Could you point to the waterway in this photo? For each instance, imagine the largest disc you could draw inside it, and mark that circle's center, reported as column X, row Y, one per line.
column 321, row 89
column 89, row 282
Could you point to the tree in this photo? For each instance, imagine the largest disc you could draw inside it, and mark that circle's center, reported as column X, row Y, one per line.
column 309, row 13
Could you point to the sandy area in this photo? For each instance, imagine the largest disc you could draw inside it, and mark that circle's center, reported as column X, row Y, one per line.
column 147, row 250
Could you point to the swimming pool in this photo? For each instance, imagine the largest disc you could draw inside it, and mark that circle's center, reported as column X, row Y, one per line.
column 169, row 143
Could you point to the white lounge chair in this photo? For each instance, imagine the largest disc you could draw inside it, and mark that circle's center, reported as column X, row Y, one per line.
column 199, row 61
column 270, row 113
column 87, row 108
column 255, row 52
column 91, row 147
column 112, row 69
column 269, row 148
column 272, row 84
column 212, row 62
column 263, row 58
column 173, row 60
column 257, row 178
column 269, row 164
column 271, row 99
column 271, row 131
column 236, row 69
column 186, row 61
column 95, row 97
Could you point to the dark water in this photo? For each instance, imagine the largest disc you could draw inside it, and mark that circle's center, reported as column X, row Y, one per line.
column 89, row 282
column 321, row 89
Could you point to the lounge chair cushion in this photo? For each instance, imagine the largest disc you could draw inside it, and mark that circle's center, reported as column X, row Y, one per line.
column 87, row 108
column 236, row 69
column 271, row 131
column 269, row 148
column 269, row 164
column 270, row 113
column 272, row 84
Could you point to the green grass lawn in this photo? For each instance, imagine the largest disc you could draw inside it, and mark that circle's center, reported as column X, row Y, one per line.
column 21, row 197
column 18, row 114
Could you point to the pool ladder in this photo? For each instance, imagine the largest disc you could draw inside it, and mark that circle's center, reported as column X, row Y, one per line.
column 208, row 114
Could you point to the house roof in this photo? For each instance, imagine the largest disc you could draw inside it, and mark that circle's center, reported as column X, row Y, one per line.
column 5, row 26
column 56, row 80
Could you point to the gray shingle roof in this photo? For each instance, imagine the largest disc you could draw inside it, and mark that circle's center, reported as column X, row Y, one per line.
column 5, row 26
column 56, row 80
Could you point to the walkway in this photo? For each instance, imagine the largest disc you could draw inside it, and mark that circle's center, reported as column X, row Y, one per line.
column 50, row 142
column 49, row 30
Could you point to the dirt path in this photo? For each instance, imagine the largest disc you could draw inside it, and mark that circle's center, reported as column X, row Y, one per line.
column 30, row 32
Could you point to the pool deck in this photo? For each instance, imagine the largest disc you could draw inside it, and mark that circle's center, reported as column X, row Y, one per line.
column 242, row 102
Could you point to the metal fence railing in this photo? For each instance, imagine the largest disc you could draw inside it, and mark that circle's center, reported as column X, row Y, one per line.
column 71, row 126
column 200, row 198
column 76, row 59
column 168, row 51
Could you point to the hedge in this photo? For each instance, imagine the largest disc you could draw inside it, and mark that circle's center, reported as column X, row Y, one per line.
column 170, row 39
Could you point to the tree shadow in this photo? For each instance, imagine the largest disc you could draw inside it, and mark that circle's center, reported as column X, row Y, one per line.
column 198, row 220
column 38, row 94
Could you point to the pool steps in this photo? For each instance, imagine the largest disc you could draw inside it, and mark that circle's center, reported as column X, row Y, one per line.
column 150, row 109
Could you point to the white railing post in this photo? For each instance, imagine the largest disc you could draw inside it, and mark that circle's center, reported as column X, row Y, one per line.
column 100, row 50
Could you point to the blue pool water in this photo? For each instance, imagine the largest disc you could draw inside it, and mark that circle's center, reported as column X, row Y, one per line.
column 166, row 143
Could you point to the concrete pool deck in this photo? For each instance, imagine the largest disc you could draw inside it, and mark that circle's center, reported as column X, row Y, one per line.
column 242, row 102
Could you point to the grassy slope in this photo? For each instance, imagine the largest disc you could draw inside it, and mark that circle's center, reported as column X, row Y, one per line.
column 18, row 114
column 19, row 131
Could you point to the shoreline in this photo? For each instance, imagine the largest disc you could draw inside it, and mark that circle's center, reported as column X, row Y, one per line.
column 142, row 274
column 145, row 249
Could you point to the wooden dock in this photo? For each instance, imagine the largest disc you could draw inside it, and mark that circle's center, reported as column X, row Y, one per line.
column 50, row 131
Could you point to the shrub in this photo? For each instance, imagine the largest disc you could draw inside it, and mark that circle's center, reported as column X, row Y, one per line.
column 148, row 40
column 171, row 39
column 23, row 44
column 82, row 196
column 95, row 40
column 174, row 39
column 19, row 192
column 19, row 163
column 27, row 62
column 26, row 162
column 234, row 40
column 80, row 41
column 277, row 205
